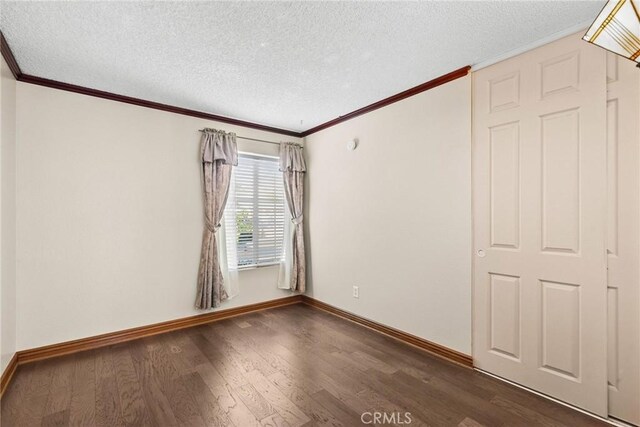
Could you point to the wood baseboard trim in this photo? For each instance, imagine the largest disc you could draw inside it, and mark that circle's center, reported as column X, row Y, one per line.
column 428, row 346
column 70, row 347
column 8, row 374
column 90, row 343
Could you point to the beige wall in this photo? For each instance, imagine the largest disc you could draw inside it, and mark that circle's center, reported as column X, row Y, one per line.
column 394, row 216
column 110, row 222
column 110, row 216
column 7, row 215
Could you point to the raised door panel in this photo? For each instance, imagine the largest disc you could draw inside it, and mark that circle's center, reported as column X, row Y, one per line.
column 560, row 74
column 505, row 316
column 561, row 181
column 561, row 349
column 504, row 92
column 505, row 186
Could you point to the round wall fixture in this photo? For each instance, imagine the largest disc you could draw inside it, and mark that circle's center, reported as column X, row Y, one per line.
column 352, row 144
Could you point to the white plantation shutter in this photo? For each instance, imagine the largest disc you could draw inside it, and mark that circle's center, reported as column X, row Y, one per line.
column 255, row 213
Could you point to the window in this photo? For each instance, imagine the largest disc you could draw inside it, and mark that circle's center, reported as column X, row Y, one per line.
column 255, row 213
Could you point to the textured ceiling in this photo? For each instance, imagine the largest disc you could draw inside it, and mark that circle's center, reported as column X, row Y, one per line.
column 289, row 65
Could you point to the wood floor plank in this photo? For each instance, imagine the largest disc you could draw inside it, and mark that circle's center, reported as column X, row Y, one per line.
column 319, row 414
column 347, row 344
column 275, row 420
column 63, row 370
column 212, row 414
column 377, row 402
column 159, row 406
column 356, row 337
column 342, row 412
column 107, row 406
column 210, row 375
column 530, row 416
column 464, row 404
column 280, row 403
column 132, row 405
column 228, row 400
column 482, row 409
column 350, row 337
column 184, row 408
column 37, row 380
column 539, row 404
column 60, row 418
column 223, row 357
column 249, row 358
column 364, row 359
column 29, row 412
column 427, row 408
column 58, row 402
column 261, row 339
column 468, row 422
column 289, row 366
column 184, row 354
column 56, row 410
column 191, row 352
column 82, row 407
column 257, row 404
column 15, row 391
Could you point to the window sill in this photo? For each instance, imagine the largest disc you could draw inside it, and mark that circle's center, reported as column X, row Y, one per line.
column 256, row 267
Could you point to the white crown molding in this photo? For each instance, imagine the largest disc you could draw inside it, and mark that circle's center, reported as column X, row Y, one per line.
column 581, row 27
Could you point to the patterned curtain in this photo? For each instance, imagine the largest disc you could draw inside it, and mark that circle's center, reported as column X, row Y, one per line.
column 219, row 153
column 293, row 168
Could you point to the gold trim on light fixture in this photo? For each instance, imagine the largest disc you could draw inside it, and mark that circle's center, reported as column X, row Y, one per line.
column 617, row 29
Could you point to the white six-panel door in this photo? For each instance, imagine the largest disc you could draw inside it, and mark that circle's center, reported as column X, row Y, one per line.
column 623, row 237
column 540, row 173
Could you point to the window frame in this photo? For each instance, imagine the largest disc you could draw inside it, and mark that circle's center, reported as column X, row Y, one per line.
column 255, row 219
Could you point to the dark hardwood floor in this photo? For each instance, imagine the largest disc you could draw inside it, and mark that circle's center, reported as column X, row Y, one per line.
column 294, row 366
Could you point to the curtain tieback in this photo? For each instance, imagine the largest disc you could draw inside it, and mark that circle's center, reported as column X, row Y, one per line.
column 213, row 228
column 297, row 220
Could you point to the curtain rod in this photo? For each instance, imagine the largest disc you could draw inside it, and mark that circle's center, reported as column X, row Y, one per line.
column 257, row 140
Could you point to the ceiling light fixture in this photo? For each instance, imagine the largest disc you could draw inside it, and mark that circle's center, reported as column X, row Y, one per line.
column 617, row 29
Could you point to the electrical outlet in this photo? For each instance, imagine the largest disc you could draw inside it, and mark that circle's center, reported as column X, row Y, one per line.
column 356, row 292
